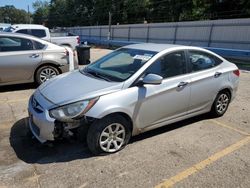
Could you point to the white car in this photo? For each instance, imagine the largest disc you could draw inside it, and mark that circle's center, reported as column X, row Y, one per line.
column 42, row 32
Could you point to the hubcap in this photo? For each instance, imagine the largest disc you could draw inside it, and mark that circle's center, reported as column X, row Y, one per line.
column 222, row 103
column 112, row 137
column 47, row 74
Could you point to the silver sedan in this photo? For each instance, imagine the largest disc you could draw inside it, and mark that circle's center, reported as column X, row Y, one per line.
column 25, row 59
column 134, row 89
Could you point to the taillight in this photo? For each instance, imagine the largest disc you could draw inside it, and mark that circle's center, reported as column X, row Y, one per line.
column 78, row 40
column 237, row 72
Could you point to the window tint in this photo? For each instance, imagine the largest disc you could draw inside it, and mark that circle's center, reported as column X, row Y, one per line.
column 169, row 65
column 8, row 44
column 38, row 45
column 40, row 33
column 201, row 61
column 24, row 31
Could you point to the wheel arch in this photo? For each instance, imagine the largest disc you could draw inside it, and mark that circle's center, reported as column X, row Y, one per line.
column 53, row 64
column 227, row 89
column 123, row 114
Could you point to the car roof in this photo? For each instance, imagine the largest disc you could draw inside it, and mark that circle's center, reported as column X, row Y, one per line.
column 152, row 46
column 5, row 24
column 9, row 34
column 30, row 37
column 28, row 26
column 19, row 35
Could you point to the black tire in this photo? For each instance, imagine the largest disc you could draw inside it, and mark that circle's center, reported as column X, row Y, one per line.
column 215, row 110
column 38, row 75
column 97, row 128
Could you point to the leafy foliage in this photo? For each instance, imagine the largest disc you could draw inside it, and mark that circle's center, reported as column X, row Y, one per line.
column 9, row 14
column 41, row 13
column 65, row 13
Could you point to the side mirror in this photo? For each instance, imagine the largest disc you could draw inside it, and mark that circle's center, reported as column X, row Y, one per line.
column 153, row 79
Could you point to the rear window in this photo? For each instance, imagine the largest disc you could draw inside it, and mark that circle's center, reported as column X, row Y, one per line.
column 38, row 45
column 201, row 60
column 40, row 33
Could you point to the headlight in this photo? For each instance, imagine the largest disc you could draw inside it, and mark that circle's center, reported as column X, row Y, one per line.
column 72, row 111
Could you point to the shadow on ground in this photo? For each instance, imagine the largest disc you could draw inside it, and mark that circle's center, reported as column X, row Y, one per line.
column 29, row 150
column 18, row 87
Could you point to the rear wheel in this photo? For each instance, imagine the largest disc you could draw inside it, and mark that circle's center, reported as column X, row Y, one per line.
column 45, row 73
column 108, row 135
column 220, row 104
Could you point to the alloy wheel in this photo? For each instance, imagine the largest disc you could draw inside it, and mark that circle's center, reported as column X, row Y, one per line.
column 47, row 74
column 112, row 137
column 222, row 103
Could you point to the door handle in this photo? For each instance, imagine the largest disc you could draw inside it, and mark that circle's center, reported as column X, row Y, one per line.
column 217, row 74
column 34, row 56
column 182, row 84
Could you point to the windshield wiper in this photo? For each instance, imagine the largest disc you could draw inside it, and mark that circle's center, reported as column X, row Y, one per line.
column 96, row 74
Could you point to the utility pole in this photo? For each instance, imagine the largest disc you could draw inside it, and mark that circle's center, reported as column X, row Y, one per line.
column 110, row 21
column 29, row 20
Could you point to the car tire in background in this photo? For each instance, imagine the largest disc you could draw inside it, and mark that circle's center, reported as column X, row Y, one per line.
column 44, row 73
column 220, row 104
column 108, row 135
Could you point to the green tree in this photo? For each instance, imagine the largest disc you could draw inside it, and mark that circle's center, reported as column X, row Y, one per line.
column 96, row 12
column 9, row 14
column 41, row 13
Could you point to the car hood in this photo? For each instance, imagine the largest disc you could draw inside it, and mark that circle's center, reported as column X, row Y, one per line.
column 75, row 86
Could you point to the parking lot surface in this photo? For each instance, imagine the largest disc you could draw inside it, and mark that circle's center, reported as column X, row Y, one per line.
column 198, row 152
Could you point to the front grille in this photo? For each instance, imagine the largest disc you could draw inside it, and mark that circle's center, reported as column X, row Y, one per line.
column 36, row 106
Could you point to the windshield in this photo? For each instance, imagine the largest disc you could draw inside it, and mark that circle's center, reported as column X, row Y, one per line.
column 119, row 65
column 9, row 29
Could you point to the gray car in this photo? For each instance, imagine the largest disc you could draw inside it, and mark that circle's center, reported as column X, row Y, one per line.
column 25, row 59
column 134, row 89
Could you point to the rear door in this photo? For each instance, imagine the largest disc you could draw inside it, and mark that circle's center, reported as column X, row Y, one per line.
column 206, row 79
column 18, row 59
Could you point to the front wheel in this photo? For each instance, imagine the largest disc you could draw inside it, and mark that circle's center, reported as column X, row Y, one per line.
column 220, row 104
column 45, row 73
column 108, row 135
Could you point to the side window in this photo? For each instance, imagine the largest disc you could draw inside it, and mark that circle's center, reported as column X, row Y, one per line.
column 38, row 45
column 201, row 61
column 170, row 65
column 9, row 44
column 24, row 31
column 40, row 33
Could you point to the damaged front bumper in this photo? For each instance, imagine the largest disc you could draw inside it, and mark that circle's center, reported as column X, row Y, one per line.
column 41, row 124
column 45, row 128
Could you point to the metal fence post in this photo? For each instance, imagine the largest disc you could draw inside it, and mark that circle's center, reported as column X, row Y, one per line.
column 112, row 34
column 210, row 34
column 89, row 32
column 147, row 34
column 175, row 34
column 81, row 33
column 129, row 33
column 100, row 33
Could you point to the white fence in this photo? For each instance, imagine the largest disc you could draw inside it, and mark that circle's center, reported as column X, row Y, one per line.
column 232, row 34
